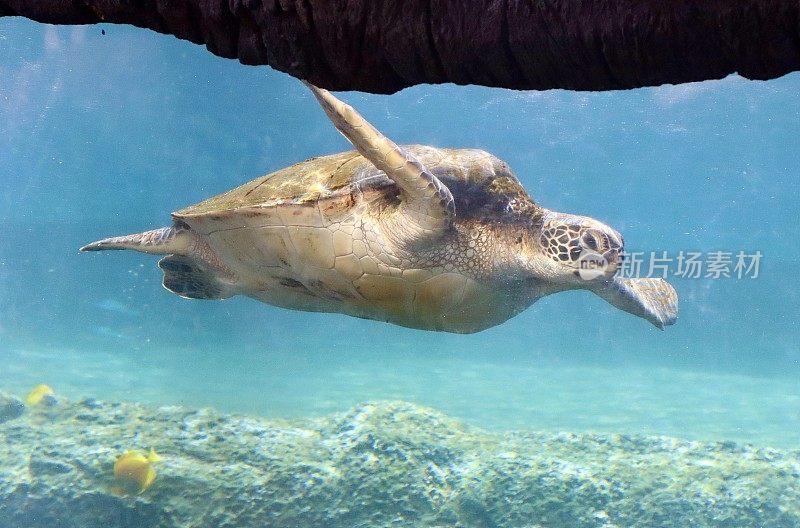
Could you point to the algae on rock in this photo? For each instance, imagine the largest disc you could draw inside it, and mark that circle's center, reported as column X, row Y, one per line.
column 380, row 464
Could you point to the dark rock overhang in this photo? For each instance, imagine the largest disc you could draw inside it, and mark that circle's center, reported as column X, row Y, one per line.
column 385, row 45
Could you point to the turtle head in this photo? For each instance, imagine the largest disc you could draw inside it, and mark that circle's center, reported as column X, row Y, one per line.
column 577, row 252
column 576, row 249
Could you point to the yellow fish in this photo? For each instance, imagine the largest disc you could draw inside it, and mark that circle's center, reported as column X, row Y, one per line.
column 40, row 394
column 134, row 472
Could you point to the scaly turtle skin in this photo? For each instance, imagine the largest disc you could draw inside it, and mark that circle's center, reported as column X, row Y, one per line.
column 436, row 239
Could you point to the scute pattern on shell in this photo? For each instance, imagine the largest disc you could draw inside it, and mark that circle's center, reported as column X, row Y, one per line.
column 483, row 186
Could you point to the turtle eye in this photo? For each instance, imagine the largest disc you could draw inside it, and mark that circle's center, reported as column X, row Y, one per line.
column 589, row 241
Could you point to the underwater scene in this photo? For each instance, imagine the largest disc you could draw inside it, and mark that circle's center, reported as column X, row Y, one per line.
column 123, row 404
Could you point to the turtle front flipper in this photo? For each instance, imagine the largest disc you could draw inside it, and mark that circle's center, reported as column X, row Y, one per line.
column 426, row 201
column 652, row 299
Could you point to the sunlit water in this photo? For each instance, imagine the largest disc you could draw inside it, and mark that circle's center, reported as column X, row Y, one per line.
column 107, row 134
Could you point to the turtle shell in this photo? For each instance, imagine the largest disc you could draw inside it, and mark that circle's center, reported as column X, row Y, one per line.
column 482, row 185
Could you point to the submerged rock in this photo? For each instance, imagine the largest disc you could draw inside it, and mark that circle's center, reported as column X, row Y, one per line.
column 380, row 464
column 10, row 407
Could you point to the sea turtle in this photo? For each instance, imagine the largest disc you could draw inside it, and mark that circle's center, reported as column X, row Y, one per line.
column 423, row 237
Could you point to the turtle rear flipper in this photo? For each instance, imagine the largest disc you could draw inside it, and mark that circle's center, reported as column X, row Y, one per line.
column 652, row 299
column 191, row 279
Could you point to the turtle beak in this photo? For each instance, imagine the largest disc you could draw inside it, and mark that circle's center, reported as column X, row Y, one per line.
column 615, row 254
column 614, row 257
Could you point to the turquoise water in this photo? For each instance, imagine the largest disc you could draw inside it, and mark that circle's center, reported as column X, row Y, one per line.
column 107, row 134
